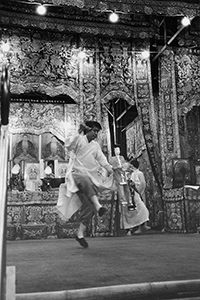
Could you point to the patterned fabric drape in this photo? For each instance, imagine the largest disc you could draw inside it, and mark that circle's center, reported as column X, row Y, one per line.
column 187, row 64
column 136, row 147
column 147, row 114
column 169, row 133
column 37, row 118
column 135, row 139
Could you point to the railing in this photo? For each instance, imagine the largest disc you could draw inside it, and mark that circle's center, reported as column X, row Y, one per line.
column 4, row 138
column 167, row 290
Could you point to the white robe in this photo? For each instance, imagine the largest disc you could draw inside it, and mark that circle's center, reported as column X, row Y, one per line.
column 138, row 178
column 131, row 219
column 86, row 158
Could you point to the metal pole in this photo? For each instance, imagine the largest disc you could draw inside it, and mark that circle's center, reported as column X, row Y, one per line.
column 4, row 140
column 168, row 43
column 114, row 124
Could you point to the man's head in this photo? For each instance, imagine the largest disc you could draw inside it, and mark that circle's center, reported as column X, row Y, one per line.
column 50, row 163
column 95, row 127
column 134, row 162
column 117, row 149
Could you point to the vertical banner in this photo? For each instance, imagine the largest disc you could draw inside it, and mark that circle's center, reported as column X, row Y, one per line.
column 145, row 105
column 169, row 134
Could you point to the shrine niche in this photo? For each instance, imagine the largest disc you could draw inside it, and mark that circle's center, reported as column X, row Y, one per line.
column 37, row 136
column 24, row 147
column 190, row 134
column 52, row 147
column 187, row 62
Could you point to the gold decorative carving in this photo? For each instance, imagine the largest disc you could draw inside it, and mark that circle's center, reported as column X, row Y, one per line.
column 188, row 68
column 37, row 118
column 144, row 6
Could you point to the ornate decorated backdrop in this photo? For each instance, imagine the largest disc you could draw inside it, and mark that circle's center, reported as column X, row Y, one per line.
column 178, row 110
column 111, row 68
column 37, row 118
column 42, row 63
column 188, row 99
column 188, row 79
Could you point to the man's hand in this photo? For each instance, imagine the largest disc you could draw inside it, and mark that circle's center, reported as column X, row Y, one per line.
column 125, row 166
column 109, row 169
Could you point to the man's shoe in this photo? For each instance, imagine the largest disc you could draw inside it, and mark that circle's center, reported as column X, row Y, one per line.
column 138, row 231
column 82, row 242
column 102, row 211
column 145, row 227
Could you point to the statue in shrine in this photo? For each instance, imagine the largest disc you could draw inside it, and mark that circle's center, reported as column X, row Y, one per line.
column 49, row 174
column 25, row 150
column 49, row 170
column 16, row 181
column 181, row 170
column 54, row 150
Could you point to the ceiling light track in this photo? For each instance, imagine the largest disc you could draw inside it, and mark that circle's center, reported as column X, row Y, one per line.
column 184, row 23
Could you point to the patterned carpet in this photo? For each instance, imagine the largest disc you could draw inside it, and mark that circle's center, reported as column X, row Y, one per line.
column 61, row 264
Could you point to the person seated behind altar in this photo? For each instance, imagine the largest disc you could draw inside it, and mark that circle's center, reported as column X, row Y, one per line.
column 49, row 174
column 16, row 181
column 137, row 219
column 118, row 162
column 49, row 170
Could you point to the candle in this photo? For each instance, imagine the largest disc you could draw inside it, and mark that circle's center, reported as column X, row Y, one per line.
column 118, row 158
column 56, row 168
column 40, row 147
column 41, row 168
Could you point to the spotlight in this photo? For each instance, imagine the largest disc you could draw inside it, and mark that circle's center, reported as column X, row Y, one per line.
column 41, row 10
column 113, row 17
column 5, row 46
column 82, row 55
column 185, row 21
column 145, row 54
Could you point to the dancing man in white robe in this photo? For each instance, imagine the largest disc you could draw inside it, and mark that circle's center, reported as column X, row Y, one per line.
column 83, row 181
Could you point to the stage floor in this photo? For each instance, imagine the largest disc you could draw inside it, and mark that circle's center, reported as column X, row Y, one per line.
column 61, row 264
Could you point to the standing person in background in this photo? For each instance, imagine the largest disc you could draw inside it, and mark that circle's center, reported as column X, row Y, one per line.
column 137, row 179
column 118, row 162
column 83, row 181
column 125, row 199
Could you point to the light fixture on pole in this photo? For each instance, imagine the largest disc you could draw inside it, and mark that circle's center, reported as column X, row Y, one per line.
column 41, row 10
column 5, row 46
column 82, row 54
column 145, row 54
column 185, row 21
column 113, row 17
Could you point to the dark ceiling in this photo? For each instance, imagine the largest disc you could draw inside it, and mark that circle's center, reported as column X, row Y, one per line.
column 159, row 20
column 162, row 17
